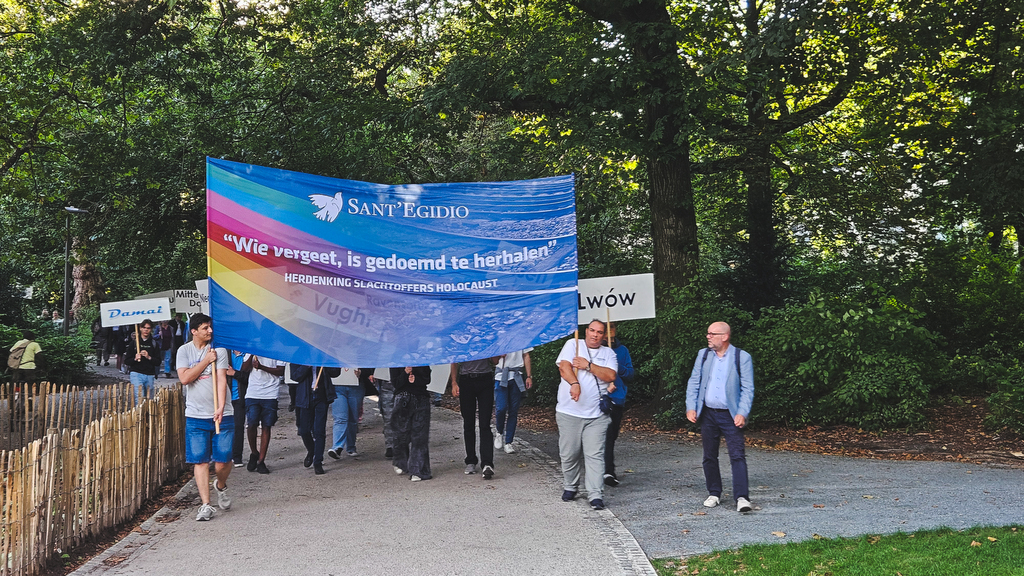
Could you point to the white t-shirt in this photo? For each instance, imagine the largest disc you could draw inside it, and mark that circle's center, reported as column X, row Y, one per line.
column 512, row 360
column 590, row 387
column 262, row 384
column 199, row 394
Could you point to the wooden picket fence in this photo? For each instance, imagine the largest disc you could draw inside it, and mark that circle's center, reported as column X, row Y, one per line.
column 90, row 469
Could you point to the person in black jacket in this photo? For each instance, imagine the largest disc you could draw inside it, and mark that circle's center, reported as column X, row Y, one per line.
column 410, row 422
column 142, row 356
column 311, row 402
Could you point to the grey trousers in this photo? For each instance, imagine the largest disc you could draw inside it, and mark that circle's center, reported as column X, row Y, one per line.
column 581, row 440
column 386, row 396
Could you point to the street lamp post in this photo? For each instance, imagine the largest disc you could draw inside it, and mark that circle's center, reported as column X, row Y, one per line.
column 67, row 261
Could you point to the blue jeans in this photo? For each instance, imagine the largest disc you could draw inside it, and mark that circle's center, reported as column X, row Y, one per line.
column 713, row 425
column 142, row 382
column 506, row 408
column 203, row 444
column 345, row 410
column 167, row 361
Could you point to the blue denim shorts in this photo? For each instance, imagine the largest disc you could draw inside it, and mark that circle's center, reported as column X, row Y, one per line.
column 263, row 412
column 202, row 444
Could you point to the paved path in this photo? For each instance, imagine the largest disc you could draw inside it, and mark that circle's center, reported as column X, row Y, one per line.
column 660, row 499
column 360, row 518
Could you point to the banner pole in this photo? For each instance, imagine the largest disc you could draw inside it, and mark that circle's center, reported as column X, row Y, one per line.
column 576, row 337
column 316, row 381
column 608, row 325
column 216, row 386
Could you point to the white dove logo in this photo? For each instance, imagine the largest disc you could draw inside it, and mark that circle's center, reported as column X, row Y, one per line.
column 329, row 206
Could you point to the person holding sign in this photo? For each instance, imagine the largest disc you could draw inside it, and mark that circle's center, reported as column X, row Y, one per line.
column 410, row 422
column 588, row 371
column 512, row 378
column 618, row 398
column 314, row 392
column 261, row 407
column 142, row 358
column 206, row 409
column 472, row 385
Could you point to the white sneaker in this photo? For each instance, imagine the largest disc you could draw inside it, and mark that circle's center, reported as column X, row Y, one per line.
column 205, row 513
column 416, row 478
column 399, row 471
column 223, row 500
column 509, row 449
column 711, row 501
column 470, row 469
column 743, row 505
column 499, row 440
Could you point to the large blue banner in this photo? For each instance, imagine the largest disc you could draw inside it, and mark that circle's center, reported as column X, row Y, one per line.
column 323, row 271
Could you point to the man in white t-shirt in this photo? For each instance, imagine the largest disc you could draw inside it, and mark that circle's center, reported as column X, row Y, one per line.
column 588, row 370
column 195, row 362
column 261, row 407
column 513, row 376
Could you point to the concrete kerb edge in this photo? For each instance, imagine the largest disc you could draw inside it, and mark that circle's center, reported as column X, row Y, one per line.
column 620, row 542
column 138, row 541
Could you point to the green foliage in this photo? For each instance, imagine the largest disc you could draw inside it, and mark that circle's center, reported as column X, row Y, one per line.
column 863, row 362
column 63, row 358
column 1006, row 405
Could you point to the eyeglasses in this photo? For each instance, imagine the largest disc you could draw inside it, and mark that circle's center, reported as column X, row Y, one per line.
column 717, row 333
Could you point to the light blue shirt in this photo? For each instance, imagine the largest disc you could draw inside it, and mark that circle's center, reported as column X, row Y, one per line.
column 715, row 397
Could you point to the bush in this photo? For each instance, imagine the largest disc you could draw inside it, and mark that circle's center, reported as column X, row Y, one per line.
column 1006, row 405
column 63, row 358
column 835, row 362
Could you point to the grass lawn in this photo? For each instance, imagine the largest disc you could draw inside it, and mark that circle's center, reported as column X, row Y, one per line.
column 974, row 551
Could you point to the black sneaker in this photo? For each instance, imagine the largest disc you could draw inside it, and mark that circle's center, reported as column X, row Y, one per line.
column 568, row 496
column 291, row 407
column 389, row 453
column 308, row 461
column 333, row 454
column 611, row 480
column 253, row 459
column 318, row 468
column 597, row 504
column 488, row 472
column 261, row 467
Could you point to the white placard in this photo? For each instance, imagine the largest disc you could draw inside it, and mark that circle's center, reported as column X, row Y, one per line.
column 203, row 287
column 188, row 301
column 440, row 374
column 347, row 378
column 169, row 294
column 134, row 311
column 382, row 374
column 624, row 298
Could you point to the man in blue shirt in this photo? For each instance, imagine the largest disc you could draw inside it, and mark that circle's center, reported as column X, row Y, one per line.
column 720, row 392
column 618, row 396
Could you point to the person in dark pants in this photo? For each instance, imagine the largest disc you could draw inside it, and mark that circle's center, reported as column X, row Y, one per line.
column 473, row 385
column 623, row 378
column 410, row 422
column 314, row 393
column 239, row 374
column 720, row 393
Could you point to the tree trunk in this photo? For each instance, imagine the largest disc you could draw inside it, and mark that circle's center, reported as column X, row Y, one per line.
column 86, row 278
column 762, row 276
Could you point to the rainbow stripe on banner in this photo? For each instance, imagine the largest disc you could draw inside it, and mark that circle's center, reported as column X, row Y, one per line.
column 328, row 272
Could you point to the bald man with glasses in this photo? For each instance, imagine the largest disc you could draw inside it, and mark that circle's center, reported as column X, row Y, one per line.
column 719, row 394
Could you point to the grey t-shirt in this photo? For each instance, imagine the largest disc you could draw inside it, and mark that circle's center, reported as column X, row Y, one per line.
column 199, row 394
